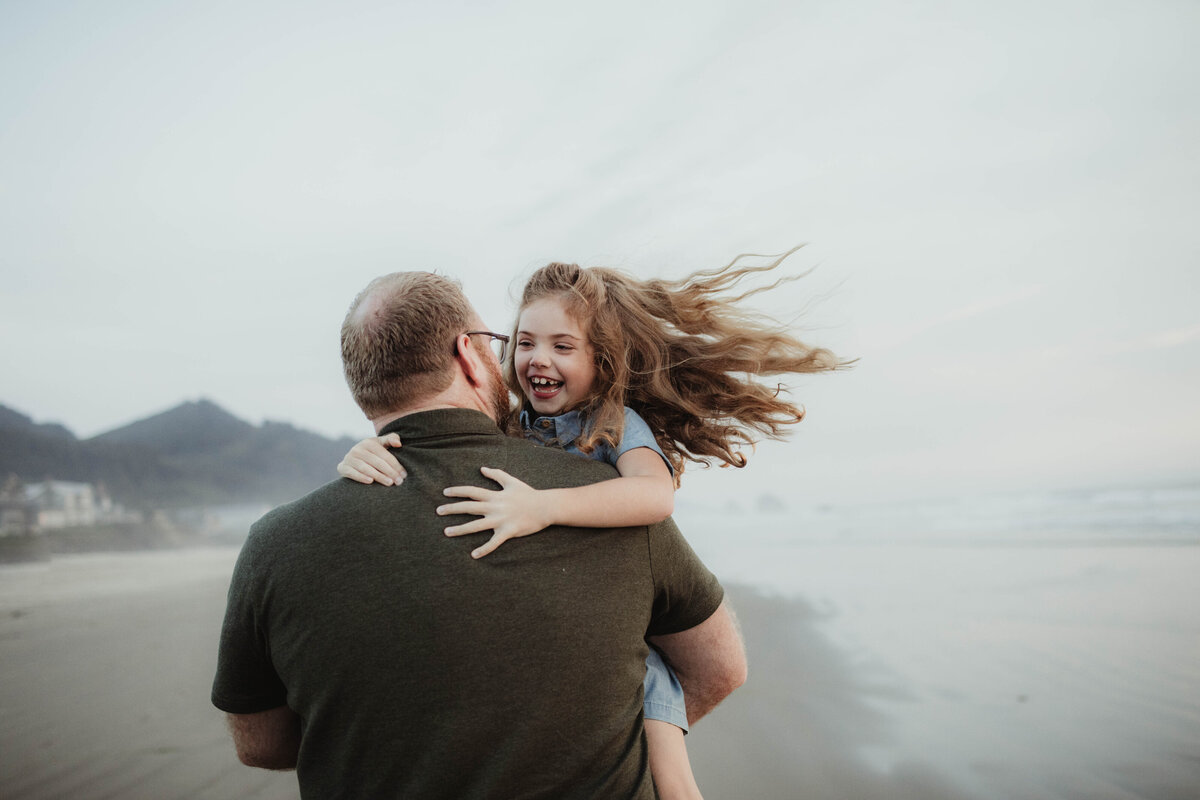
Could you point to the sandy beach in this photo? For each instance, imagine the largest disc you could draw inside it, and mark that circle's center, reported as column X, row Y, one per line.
column 106, row 661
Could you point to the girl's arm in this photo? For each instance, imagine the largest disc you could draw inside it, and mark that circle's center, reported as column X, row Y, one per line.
column 643, row 495
column 370, row 461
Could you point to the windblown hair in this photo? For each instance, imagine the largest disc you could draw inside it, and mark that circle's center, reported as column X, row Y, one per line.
column 684, row 355
column 398, row 339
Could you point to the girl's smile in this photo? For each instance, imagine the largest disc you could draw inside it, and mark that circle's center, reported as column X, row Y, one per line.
column 553, row 360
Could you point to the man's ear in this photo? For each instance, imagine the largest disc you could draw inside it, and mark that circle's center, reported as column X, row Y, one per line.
column 468, row 360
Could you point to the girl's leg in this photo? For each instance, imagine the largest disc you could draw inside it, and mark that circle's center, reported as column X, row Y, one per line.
column 666, row 720
column 669, row 764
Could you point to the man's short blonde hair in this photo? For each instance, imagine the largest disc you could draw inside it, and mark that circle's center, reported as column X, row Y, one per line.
column 398, row 339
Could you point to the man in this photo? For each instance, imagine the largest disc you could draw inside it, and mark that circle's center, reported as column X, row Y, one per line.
column 369, row 651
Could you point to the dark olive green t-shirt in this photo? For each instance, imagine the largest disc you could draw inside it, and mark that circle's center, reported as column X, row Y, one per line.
column 420, row 672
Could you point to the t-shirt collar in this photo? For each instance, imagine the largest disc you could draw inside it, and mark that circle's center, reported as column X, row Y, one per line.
column 441, row 422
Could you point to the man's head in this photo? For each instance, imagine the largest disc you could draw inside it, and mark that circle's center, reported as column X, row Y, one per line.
column 404, row 343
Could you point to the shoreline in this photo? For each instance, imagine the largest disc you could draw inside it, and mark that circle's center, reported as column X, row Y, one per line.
column 123, row 537
column 803, row 726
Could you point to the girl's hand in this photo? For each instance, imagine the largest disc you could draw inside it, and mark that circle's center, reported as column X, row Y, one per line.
column 370, row 461
column 512, row 512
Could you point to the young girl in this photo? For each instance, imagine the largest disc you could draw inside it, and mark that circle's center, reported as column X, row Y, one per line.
column 645, row 375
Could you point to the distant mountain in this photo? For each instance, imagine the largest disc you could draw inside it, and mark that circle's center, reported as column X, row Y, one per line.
column 198, row 427
column 16, row 421
column 194, row 454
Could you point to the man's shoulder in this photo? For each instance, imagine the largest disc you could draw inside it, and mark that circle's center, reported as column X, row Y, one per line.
column 322, row 500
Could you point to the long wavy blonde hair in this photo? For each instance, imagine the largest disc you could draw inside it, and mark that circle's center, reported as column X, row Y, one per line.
column 683, row 354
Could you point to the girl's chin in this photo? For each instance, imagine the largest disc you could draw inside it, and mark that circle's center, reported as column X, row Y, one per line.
column 548, row 409
column 548, row 406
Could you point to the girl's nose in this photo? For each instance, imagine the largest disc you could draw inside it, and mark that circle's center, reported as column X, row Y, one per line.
column 539, row 359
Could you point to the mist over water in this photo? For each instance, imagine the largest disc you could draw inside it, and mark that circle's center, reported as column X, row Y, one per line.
column 1135, row 515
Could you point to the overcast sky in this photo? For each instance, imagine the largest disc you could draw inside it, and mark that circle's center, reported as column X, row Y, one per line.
column 1000, row 201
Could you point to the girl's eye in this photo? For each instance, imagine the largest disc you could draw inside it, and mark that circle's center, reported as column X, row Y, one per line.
column 563, row 348
column 524, row 343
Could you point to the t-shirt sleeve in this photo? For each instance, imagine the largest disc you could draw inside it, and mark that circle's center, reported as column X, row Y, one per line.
column 686, row 593
column 246, row 681
column 637, row 434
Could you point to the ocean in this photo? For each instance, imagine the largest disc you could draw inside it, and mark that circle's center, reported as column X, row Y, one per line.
column 1041, row 644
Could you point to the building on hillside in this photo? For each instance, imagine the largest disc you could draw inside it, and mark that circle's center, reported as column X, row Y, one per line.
column 63, row 504
column 18, row 515
column 67, row 504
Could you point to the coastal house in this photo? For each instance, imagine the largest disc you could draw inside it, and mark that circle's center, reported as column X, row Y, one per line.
column 18, row 514
column 69, row 504
column 63, row 504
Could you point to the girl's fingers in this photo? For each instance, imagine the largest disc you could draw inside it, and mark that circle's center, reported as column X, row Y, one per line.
column 387, row 467
column 474, row 526
column 371, row 447
column 370, row 461
column 352, row 474
column 489, row 546
column 381, row 459
column 499, row 476
column 368, row 472
column 375, row 460
column 466, row 507
column 471, row 492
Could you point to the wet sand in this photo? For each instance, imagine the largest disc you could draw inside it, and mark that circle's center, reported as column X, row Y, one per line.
column 799, row 726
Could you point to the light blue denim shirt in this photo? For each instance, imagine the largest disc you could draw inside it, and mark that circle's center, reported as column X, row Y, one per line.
column 563, row 430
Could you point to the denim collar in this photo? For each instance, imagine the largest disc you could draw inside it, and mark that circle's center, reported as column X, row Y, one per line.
column 562, row 430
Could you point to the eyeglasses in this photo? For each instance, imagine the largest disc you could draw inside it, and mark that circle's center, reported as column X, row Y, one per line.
column 499, row 342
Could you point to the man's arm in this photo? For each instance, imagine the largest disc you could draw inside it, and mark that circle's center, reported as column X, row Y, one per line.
column 268, row 739
column 709, row 660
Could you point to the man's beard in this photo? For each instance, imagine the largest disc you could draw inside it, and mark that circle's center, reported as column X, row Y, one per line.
column 502, row 404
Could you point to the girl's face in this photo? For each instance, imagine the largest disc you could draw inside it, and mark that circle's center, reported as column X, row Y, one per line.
column 553, row 359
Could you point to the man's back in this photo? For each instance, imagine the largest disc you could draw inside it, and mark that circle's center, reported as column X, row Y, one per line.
column 418, row 671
